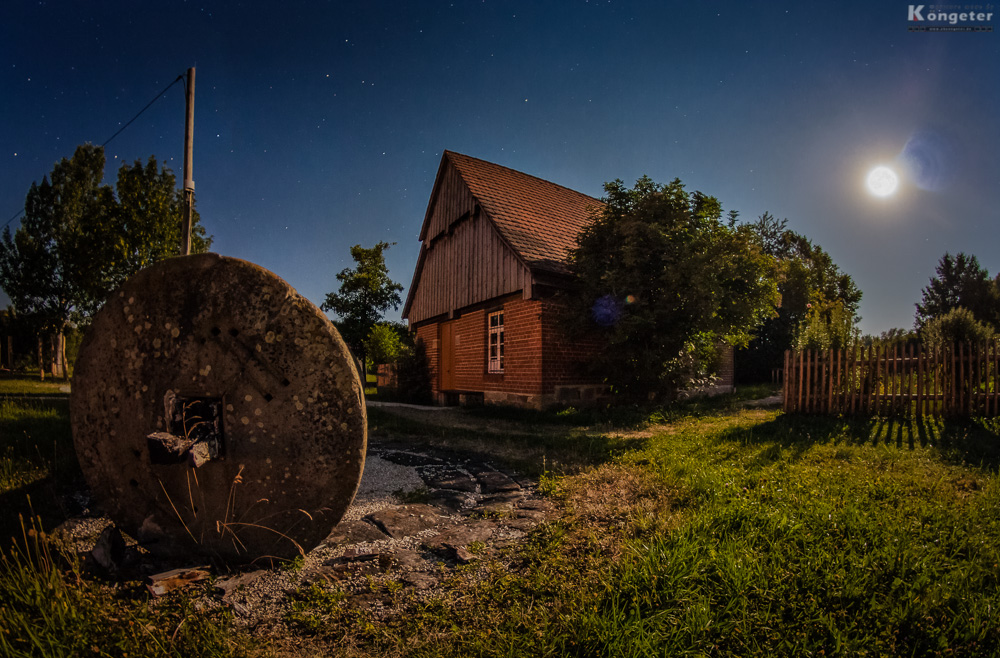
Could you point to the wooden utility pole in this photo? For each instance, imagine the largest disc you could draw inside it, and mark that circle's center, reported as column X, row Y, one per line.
column 188, row 158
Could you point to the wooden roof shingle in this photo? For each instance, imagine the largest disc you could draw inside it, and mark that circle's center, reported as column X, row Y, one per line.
column 539, row 219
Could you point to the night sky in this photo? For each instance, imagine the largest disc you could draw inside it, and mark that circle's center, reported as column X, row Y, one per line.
column 321, row 125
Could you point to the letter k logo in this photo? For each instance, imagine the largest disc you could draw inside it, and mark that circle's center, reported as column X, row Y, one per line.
column 915, row 14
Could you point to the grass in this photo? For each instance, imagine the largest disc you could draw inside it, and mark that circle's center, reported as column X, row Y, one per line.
column 47, row 608
column 313, row 607
column 750, row 533
column 21, row 384
column 702, row 528
column 37, row 462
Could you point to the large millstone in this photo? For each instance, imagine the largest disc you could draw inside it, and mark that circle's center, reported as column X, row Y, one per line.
column 216, row 411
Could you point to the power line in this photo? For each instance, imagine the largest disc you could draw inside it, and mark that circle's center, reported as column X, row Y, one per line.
column 118, row 132
column 155, row 98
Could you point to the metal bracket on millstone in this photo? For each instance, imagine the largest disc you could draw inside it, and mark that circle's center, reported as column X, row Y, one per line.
column 216, row 411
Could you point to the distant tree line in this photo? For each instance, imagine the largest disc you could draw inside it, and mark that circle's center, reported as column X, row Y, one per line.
column 960, row 304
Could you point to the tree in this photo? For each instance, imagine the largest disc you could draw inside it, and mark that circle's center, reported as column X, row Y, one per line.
column 827, row 326
column 148, row 220
column 663, row 280
column 893, row 337
column 812, row 289
column 960, row 282
column 77, row 242
column 385, row 342
column 366, row 293
column 45, row 267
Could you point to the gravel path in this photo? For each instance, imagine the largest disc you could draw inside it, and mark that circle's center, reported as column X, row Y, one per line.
column 457, row 508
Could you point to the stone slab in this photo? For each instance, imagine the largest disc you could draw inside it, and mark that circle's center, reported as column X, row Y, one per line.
column 462, row 535
column 496, row 482
column 405, row 520
column 451, row 500
column 419, row 580
column 168, row 581
column 450, row 478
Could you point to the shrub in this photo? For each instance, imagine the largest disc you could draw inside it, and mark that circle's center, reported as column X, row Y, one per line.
column 957, row 325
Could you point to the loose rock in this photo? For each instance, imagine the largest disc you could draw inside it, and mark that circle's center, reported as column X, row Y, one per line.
column 354, row 532
column 168, row 581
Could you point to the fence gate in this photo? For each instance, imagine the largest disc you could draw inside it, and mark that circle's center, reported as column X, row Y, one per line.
column 879, row 380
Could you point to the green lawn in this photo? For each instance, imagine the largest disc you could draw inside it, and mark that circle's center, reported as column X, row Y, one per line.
column 20, row 384
column 699, row 529
column 751, row 533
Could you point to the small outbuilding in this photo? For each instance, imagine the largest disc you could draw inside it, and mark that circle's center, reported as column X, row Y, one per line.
column 493, row 255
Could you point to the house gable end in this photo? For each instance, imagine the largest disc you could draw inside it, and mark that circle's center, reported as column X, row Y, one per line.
column 464, row 259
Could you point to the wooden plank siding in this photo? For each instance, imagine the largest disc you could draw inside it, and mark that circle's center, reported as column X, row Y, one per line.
column 463, row 259
column 451, row 201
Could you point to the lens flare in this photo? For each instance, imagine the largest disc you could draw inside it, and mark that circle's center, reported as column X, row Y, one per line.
column 930, row 160
column 606, row 311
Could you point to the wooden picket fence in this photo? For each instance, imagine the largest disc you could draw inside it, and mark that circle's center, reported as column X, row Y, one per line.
column 960, row 380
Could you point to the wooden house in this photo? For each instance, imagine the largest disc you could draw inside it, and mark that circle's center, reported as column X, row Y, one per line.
column 494, row 246
column 493, row 251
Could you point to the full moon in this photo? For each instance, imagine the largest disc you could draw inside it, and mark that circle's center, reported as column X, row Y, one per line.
column 882, row 181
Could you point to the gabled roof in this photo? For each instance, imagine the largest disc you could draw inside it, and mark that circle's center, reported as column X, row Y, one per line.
column 534, row 222
column 538, row 219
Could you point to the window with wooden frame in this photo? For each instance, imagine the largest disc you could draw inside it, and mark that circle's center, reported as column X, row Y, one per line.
column 494, row 343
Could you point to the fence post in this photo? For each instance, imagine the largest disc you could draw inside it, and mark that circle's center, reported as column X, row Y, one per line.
column 952, row 379
column 801, row 385
column 920, row 380
column 807, row 380
column 996, row 377
column 962, row 401
column 854, row 386
column 936, row 382
column 840, row 389
column 784, row 386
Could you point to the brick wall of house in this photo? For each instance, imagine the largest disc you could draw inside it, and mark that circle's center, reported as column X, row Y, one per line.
column 566, row 360
column 522, row 349
column 726, row 366
column 537, row 358
column 542, row 366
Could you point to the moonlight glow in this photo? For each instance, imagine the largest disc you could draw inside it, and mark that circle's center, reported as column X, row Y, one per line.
column 882, row 181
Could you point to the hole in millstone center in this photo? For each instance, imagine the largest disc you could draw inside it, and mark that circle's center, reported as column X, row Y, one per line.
column 194, row 431
column 198, row 419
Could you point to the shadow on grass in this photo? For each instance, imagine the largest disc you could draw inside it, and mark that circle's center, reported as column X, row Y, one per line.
column 957, row 440
column 44, row 500
column 619, row 414
column 38, row 465
column 530, row 447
